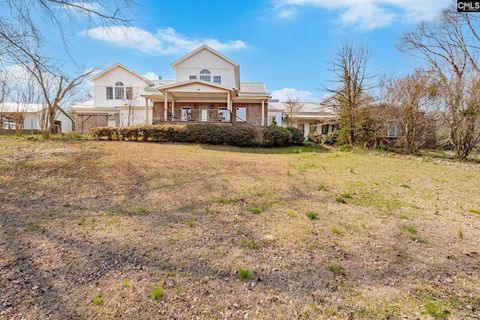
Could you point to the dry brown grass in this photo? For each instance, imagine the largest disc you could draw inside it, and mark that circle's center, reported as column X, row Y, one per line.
column 79, row 220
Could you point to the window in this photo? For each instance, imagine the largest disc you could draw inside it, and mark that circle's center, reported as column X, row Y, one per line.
column 129, row 93
column 109, row 93
column 119, row 91
column 204, row 115
column 272, row 120
column 186, row 114
column 192, row 78
column 205, row 75
column 217, row 79
column 392, row 130
column 325, row 129
column 223, row 115
column 241, row 114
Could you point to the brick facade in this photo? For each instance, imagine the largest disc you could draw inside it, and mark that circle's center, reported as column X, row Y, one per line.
column 253, row 110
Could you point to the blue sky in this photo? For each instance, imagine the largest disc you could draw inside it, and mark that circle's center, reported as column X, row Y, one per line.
column 287, row 44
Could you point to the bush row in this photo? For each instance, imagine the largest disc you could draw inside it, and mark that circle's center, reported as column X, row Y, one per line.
column 273, row 136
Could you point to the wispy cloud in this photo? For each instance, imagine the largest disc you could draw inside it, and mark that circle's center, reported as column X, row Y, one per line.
column 162, row 42
column 292, row 93
column 367, row 14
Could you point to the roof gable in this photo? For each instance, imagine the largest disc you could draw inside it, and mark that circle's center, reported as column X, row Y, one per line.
column 200, row 49
column 194, row 86
column 119, row 65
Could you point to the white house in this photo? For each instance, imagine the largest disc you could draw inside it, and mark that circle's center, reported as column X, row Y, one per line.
column 30, row 117
column 309, row 117
column 207, row 89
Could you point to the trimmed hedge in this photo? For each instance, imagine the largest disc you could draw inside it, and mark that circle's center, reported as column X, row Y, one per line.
column 207, row 134
column 273, row 136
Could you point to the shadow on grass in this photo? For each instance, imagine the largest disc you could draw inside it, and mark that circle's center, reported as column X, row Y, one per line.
column 286, row 150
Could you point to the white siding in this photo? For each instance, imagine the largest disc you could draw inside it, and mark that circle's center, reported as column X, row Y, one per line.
column 206, row 60
column 137, row 117
column 109, row 79
column 196, row 87
column 278, row 117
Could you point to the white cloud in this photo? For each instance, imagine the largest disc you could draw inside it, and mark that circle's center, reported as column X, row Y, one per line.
column 162, row 42
column 291, row 93
column 367, row 14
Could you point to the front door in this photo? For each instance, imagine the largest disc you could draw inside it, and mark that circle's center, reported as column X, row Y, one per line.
column 204, row 115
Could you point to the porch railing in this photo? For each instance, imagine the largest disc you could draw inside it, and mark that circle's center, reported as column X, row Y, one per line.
column 199, row 115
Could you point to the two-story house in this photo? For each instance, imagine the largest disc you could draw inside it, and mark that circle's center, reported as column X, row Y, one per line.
column 207, row 89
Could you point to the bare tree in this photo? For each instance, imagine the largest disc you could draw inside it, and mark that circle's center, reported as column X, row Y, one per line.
column 410, row 99
column 449, row 46
column 132, row 99
column 350, row 70
column 292, row 106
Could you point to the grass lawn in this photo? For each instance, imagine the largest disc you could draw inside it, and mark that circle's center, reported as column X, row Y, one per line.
column 110, row 230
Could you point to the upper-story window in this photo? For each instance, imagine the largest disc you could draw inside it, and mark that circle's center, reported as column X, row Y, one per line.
column 192, row 78
column 109, row 93
column 129, row 93
column 217, row 79
column 205, row 75
column 119, row 91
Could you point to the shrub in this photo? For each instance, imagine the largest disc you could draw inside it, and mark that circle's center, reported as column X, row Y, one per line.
column 208, row 134
column 274, row 136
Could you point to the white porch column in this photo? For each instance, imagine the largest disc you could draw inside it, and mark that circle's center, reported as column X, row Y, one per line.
column 165, row 106
column 146, row 110
column 229, row 105
column 306, row 130
column 263, row 113
column 173, row 108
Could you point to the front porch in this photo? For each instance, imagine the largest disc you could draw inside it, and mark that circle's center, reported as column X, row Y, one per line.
column 195, row 113
column 199, row 102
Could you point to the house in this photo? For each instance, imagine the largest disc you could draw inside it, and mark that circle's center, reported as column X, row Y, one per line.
column 30, row 117
column 307, row 116
column 206, row 89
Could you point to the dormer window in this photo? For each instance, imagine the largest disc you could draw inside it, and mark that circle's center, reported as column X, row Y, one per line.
column 119, row 91
column 205, row 75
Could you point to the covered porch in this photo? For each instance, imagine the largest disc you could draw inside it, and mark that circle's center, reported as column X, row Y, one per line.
column 199, row 102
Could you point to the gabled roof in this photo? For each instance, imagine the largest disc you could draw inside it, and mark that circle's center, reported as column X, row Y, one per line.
column 204, row 47
column 253, row 88
column 188, row 82
column 218, row 54
column 119, row 65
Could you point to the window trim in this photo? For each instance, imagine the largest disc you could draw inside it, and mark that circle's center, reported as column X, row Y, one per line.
column 392, row 130
column 127, row 89
column 107, row 96
column 119, row 88
column 237, row 117
column 205, row 75
column 188, row 114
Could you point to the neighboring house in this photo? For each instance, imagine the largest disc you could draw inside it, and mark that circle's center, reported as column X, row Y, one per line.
column 207, row 89
column 388, row 128
column 310, row 117
column 30, row 117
